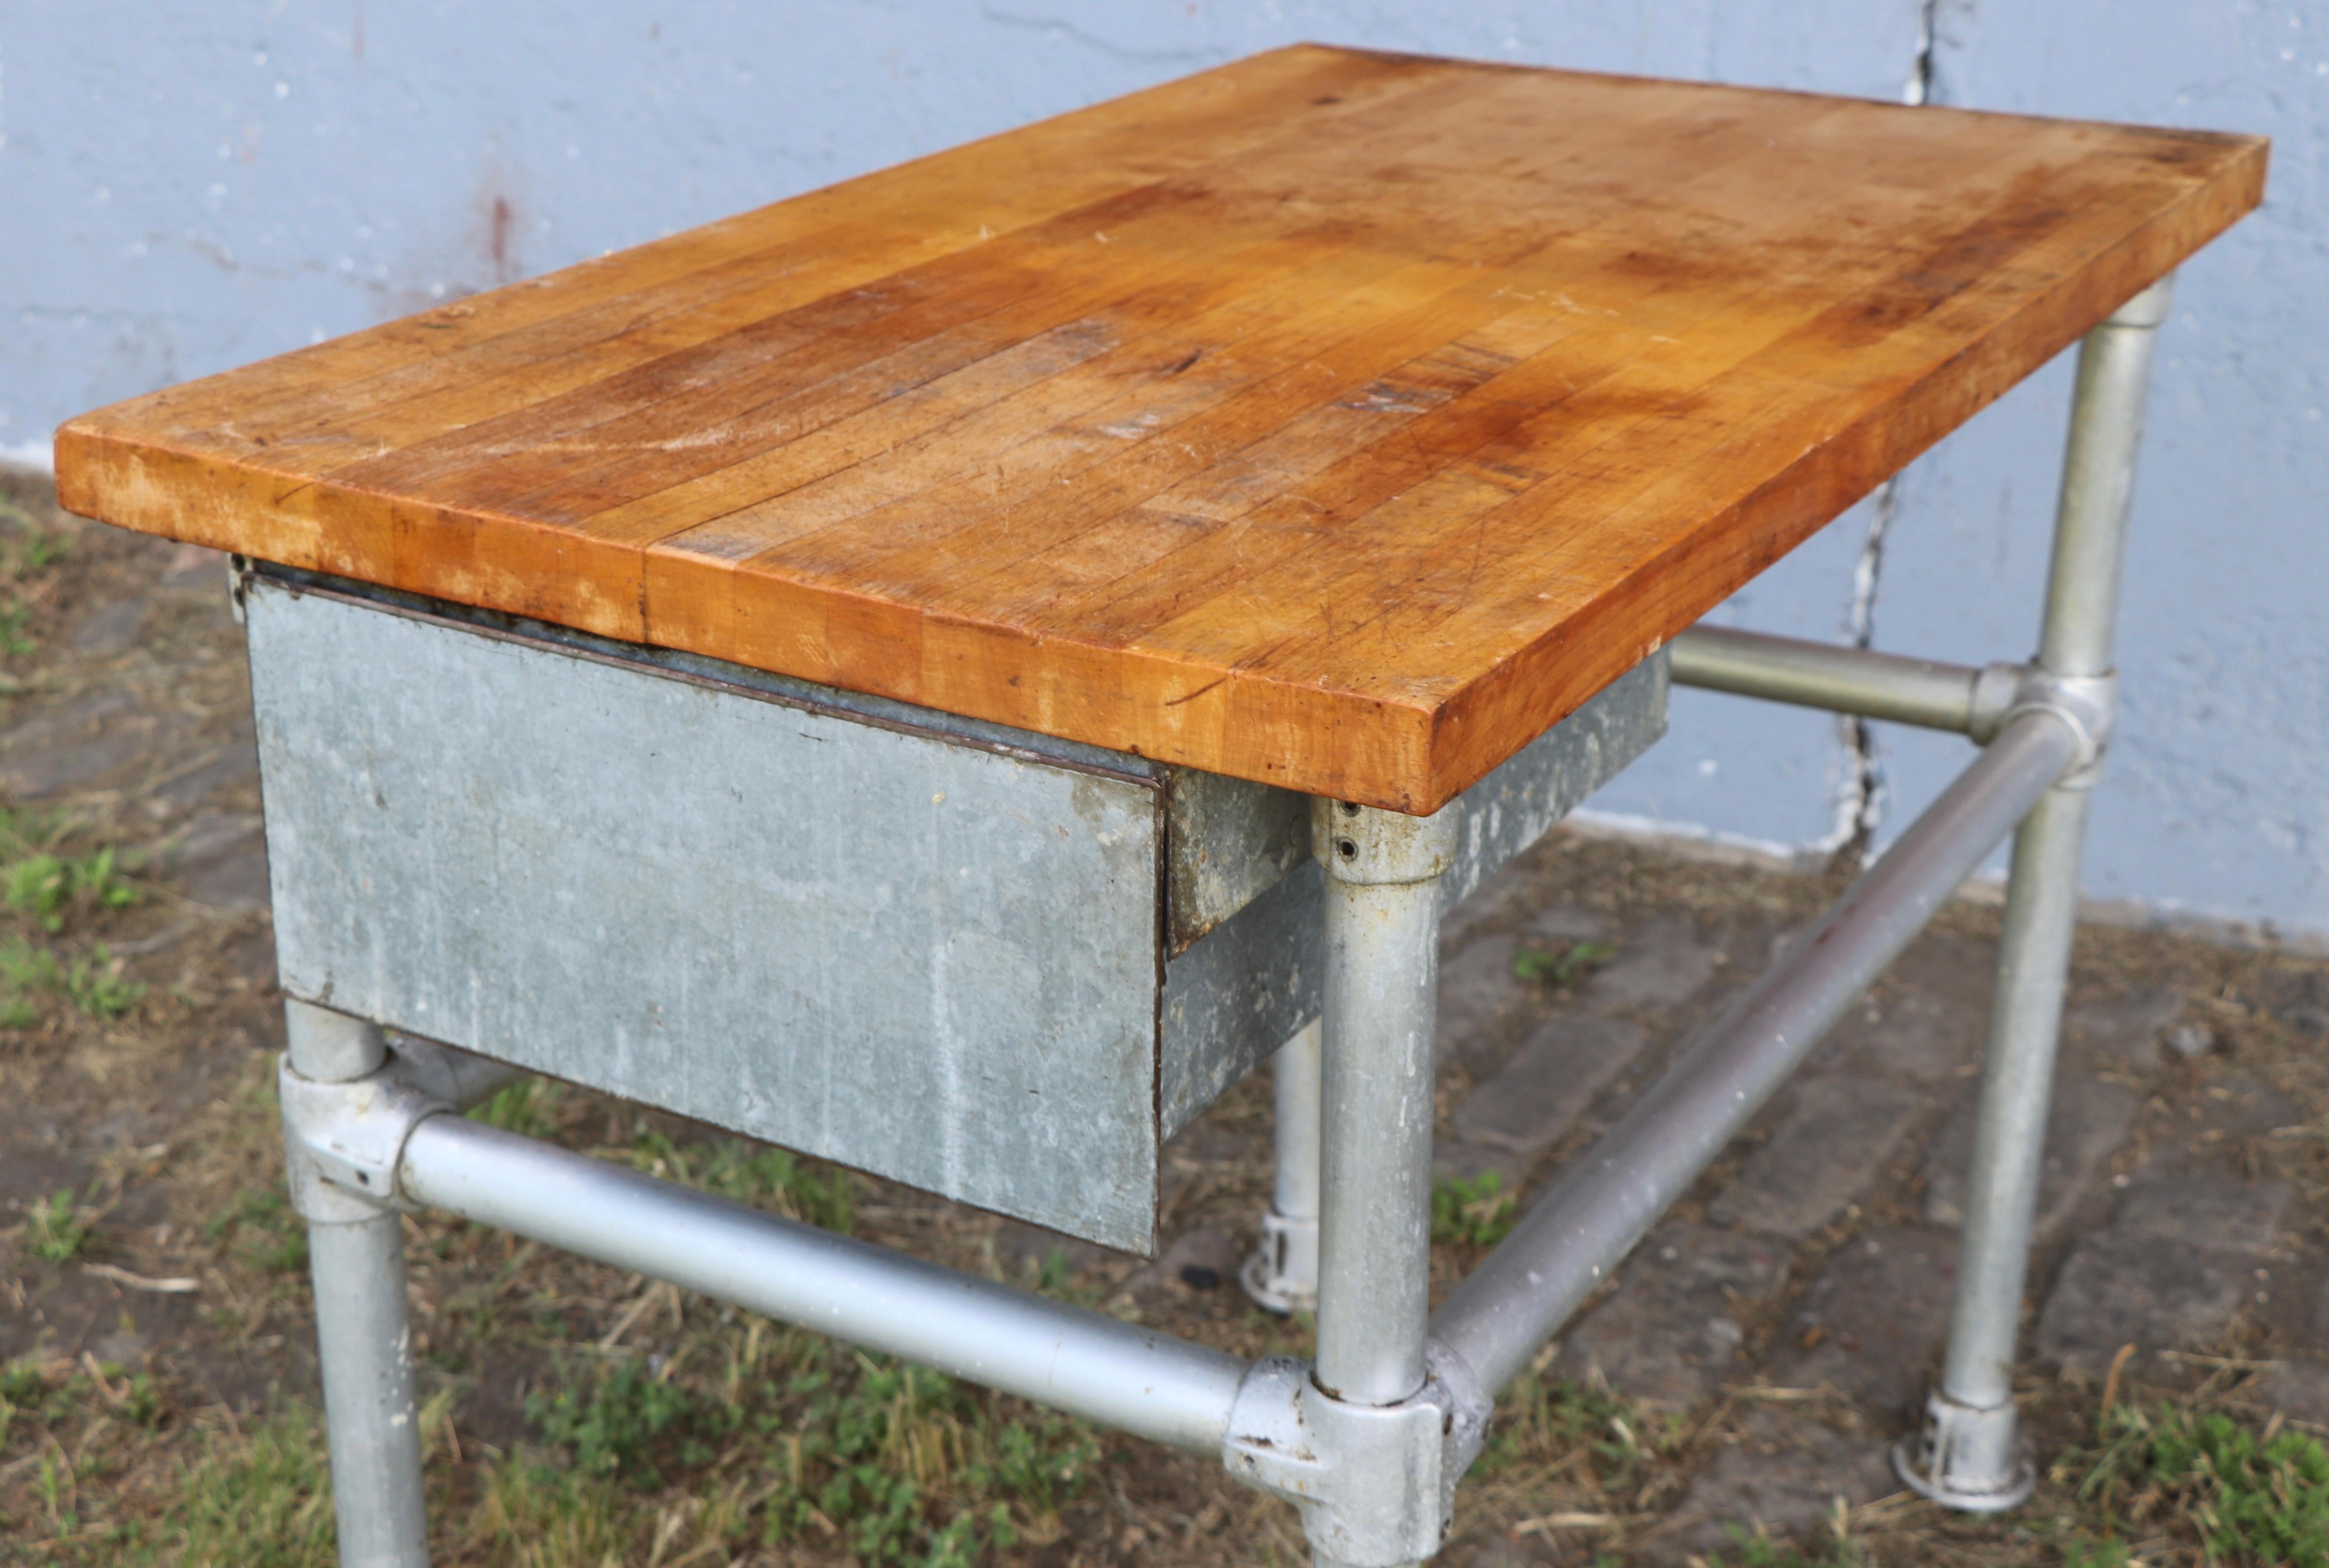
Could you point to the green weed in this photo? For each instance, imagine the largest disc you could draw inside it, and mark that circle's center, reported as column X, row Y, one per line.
column 261, row 1226
column 47, row 886
column 892, row 1463
column 803, row 1189
column 54, row 1230
column 1559, row 967
column 1474, row 1209
column 94, row 984
column 33, row 547
column 262, row 1503
column 1756, row 1549
column 522, row 1107
column 15, row 643
column 539, row 1518
column 2251, row 1499
column 25, row 1391
column 1540, row 1421
column 627, row 1423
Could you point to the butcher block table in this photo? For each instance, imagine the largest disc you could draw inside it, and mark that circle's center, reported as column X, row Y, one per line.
column 948, row 672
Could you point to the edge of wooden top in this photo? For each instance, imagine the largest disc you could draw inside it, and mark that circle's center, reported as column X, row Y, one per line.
column 1408, row 754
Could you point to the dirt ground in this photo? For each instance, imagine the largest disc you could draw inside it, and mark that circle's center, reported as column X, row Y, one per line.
column 1727, row 1399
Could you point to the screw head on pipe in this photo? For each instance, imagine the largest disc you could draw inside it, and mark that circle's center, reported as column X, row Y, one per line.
column 1371, row 848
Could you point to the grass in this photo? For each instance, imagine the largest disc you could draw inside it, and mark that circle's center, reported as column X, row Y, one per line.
column 523, row 1107
column 1559, row 967
column 1550, row 1421
column 2244, row 1496
column 54, row 1230
column 15, row 643
column 93, row 983
column 44, row 879
column 26, row 549
column 49, row 887
column 255, row 1499
column 260, row 1227
column 1472, row 1210
column 803, row 1189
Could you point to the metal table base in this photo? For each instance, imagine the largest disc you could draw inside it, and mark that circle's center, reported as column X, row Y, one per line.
column 1370, row 1438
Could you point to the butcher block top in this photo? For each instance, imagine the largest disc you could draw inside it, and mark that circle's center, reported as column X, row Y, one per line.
column 1335, row 419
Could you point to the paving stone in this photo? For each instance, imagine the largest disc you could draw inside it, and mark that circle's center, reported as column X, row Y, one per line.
column 240, row 883
column 2298, row 1390
column 1913, row 1034
column 1479, row 995
column 2204, row 1210
column 1782, row 1472
column 1457, row 1159
column 2126, row 1028
column 56, row 750
column 1550, row 1082
column 2122, row 1287
column 1873, row 1321
column 1670, row 1335
column 2176, row 1261
column 236, row 763
column 208, row 838
column 2235, row 1106
column 1660, row 965
column 1825, row 1153
column 104, row 633
column 2085, row 1125
column 1568, row 923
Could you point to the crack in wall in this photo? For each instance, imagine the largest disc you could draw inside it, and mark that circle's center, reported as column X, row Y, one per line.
column 1861, row 792
column 1919, row 89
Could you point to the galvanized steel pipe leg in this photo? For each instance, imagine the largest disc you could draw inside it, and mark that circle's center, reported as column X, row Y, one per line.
column 1282, row 1274
column 355, row 1248
column 1969, row 1454
column 1382, row 980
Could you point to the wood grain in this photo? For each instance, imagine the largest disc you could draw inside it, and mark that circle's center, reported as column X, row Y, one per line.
column 1332, row 419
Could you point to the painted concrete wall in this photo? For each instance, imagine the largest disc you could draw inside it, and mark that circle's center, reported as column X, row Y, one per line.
column 186, row 186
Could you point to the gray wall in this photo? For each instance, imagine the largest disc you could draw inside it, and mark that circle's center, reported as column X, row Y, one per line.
column 187, row 185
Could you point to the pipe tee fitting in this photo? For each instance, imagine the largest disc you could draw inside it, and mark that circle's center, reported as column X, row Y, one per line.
column 1375, row 1484
column 342, row 1141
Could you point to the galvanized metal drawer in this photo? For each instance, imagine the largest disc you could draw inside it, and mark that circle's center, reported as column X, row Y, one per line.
column 982, row 961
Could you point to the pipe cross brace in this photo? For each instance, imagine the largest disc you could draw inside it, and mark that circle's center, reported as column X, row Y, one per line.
column 1375, row 1484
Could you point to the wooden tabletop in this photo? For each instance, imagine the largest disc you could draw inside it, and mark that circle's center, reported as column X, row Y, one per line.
column 1331, row 418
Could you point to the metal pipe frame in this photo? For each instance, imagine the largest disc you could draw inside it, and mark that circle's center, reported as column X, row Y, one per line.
column 364, row 1335
column 1081, row 1362
column 1854, row 681
column 1369, row 1439
column 1969, row 1454
column 1381, row 990
column 1282, row 1273
column 1502, row 1313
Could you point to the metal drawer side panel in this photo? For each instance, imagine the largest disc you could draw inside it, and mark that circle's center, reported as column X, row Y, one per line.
column 1238, row 993
column 927, row 960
